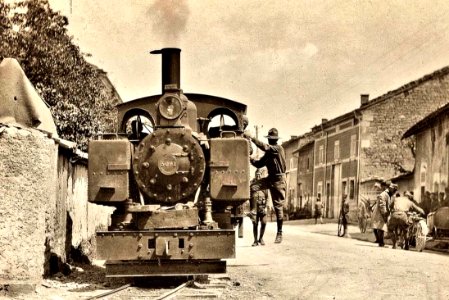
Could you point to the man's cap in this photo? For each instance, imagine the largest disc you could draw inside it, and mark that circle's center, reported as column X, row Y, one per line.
column 273, row 134
column 393, row 186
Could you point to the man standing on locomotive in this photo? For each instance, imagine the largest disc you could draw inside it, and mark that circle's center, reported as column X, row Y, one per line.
column 274, row 160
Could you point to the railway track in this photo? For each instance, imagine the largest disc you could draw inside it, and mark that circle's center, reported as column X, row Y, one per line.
column 211, row 287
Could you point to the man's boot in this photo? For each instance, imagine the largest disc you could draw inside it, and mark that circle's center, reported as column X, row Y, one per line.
column 255, row 234
column 279, row 234
column 381, row 238
column 278, row 239
column 376, row 234
column 262, row 231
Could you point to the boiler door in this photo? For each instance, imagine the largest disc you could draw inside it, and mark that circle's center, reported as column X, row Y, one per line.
column 168, row 165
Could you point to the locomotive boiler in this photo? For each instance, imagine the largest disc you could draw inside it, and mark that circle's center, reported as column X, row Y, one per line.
column 177, row 173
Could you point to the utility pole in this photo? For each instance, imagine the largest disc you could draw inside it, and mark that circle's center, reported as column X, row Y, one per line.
column 256, row 127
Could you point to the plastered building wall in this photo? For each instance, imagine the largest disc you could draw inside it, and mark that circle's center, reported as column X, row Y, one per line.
column 44, row 211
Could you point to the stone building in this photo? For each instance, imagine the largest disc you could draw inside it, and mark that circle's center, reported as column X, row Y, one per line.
column 354, row 150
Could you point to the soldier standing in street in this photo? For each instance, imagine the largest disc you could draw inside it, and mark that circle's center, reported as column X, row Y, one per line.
column 381, row 213
column 274, row 160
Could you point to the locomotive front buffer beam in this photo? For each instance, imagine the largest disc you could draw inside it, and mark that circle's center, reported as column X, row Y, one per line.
column 168, row 252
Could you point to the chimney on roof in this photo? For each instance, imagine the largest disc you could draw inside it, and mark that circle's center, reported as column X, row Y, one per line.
column 324, row 121
column 292, row 137
column 364, row 99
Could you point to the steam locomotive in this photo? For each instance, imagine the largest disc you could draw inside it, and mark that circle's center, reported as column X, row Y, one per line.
column 177, row 173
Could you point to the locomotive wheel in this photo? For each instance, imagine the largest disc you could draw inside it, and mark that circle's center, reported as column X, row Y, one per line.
column 420, row 238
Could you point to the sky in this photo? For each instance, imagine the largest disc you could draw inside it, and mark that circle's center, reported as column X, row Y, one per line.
column 291, row 62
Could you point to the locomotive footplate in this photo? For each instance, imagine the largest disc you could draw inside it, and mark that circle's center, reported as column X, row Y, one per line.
column 157, row 245
column 164, row 268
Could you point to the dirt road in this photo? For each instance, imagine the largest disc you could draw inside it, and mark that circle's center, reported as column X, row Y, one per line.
column 313, row 263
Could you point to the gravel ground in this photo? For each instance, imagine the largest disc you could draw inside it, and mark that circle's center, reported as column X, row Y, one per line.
column 309, row 264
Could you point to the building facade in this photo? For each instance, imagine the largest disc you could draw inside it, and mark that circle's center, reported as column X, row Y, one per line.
column 291, row 161
column 305, row 178
column 354, row 150
column 336, row 162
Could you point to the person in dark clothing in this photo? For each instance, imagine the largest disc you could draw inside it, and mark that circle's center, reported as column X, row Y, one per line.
column 137, row 133
column 345, row 211
column 274, row 160
column 261, row 197
column 446, row 198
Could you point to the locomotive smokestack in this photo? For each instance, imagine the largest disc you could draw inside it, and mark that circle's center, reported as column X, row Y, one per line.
column 171, row 74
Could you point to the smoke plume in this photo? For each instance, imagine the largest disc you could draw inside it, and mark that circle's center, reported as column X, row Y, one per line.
column 169, row 19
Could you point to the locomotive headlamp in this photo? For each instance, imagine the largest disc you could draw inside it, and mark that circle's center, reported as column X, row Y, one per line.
column 170, row 107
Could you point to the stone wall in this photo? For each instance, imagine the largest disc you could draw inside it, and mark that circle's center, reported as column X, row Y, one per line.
column 44, row 211
column 383, row 153
column 27, row 190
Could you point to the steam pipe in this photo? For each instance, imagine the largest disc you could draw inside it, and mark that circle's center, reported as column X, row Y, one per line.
column 171, row 70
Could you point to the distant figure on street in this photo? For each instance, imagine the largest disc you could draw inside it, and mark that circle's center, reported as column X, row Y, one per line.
column 434, row 205
column 345, row 212
column 446, row 197
column 398, row 224
column 426, row 202
column 382, row 212
column 319, row 206
column 260, row 197
column 274, row 160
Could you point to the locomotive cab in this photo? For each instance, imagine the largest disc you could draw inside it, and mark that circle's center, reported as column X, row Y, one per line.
column 178, row 183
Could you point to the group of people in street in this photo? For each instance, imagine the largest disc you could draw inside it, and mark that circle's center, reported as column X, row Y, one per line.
column 390, row 214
